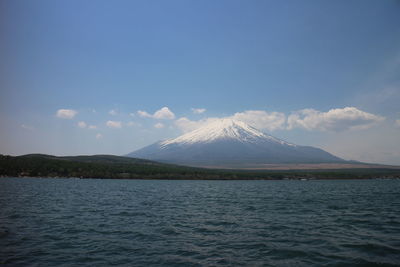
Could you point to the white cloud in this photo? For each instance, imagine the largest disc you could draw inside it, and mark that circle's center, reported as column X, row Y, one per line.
column 261, row 119
column 159, row 125
column 66, row 113
column 198, row 110
column 132, row 114
column 348, row 118
column 113, row 112
column 257, row 118
column 99, row 136
column 186, row 125
column 142, row 113
column 82, row 124
column 163, row 113
column 397, row 123
column 114, row 124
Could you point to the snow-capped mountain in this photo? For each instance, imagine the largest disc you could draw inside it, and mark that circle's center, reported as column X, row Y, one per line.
column 230, row 143
column 223, row 129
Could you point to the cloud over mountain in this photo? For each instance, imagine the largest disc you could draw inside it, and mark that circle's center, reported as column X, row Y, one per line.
column 340, row 119
column 187, row 125
column 261, row 119
column 257, row 118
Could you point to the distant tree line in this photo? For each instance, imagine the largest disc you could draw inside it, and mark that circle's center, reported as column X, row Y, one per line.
column 114, row 167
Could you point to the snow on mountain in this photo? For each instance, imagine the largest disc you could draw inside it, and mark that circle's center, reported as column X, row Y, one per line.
column 228, row 142
column 223, row 129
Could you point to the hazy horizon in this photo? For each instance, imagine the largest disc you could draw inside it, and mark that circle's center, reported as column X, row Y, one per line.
column 111, row 77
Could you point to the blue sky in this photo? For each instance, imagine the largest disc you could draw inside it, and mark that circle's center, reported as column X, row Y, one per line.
column 321, row 73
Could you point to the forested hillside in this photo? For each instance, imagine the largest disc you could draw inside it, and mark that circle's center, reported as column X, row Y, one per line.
column 115, row 167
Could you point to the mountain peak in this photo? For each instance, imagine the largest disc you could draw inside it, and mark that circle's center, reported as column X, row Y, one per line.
column 230, row 143
column 222, row 129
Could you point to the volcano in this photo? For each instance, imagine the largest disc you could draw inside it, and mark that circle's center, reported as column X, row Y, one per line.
column 233, row 144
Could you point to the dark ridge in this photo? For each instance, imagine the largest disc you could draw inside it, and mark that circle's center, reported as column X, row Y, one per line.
column 115, row 167
column 92, row 158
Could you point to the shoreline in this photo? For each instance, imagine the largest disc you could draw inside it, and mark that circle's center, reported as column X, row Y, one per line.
column 304, row 178
column 114, row 167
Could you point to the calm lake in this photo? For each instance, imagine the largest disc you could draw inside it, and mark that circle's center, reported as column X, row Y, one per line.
column 78, row 222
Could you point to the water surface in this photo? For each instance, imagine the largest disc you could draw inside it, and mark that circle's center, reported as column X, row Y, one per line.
column 75, row 222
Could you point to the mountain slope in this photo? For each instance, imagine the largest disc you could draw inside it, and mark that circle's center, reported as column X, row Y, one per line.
column 231, row 143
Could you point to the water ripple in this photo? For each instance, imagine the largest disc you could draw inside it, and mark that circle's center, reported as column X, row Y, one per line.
column 74, row 222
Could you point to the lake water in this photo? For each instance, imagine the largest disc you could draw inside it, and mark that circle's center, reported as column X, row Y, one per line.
column 77, row 222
